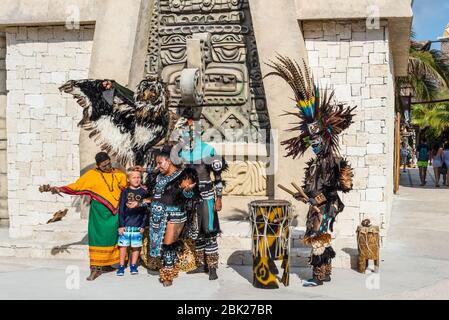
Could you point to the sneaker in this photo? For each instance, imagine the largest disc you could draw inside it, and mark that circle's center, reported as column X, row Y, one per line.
column 121, row 270
column 133, row 269
column 312, row 283
column 327, row 279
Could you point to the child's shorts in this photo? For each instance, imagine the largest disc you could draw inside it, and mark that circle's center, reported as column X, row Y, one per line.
column 131, row 237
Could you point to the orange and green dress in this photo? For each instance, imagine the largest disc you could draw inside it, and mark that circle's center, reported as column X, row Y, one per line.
column 104, row 189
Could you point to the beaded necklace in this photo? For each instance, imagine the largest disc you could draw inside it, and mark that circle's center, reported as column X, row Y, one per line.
column 110, row 188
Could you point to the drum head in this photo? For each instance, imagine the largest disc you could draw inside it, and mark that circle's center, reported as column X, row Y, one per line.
column 270, row 203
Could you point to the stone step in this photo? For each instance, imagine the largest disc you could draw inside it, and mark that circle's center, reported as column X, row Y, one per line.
column 68, row 230
column 68, row 240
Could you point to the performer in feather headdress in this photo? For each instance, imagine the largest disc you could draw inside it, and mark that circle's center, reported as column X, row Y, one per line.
column 201, row 157
column 320, row 123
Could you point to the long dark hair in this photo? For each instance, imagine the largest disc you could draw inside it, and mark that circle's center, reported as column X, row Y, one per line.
column 446, row 146
column 435, row 149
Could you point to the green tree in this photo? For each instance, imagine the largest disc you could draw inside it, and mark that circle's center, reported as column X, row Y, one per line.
column 428, row 72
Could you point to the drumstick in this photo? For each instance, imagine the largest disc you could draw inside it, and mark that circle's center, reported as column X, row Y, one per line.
column 286, row 190
column 301, row 192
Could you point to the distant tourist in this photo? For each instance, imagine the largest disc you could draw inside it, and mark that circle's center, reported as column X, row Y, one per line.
column 445, row 166
column 436, row 161
column 423, row 155
column 404, row 155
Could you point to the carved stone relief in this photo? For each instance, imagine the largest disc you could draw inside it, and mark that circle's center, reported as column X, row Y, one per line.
column 234, row 102
column 246, row 178
column 233, row 81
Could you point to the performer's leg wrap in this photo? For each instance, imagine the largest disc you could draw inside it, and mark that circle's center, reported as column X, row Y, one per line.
column 319, row 272
column 212, row 252
column 328, row 268
column 168, row 271
column 200, row 246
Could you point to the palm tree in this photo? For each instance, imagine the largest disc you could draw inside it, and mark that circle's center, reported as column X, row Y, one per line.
column 428, row 71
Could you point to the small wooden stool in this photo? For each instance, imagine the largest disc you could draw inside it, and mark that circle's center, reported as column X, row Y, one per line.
column 368, row 243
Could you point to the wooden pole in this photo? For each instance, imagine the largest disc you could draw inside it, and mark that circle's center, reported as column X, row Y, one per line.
column 397, row 152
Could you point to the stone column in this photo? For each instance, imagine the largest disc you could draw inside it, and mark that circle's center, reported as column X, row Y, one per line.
column 118, row 53
column 270, row 20
column 357, row 62
column 4, row 217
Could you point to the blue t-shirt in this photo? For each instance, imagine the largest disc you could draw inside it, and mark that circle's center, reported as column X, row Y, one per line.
column 423, row 152
column 137, row 217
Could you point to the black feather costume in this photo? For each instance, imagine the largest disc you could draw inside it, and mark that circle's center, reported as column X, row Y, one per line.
column 320, row 123
column 123, row 123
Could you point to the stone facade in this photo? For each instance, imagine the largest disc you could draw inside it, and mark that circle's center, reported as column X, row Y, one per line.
column 357, row 63
column 43, row 137
column 4, row 216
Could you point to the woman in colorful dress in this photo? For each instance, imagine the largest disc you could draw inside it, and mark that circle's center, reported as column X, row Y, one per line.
column 103, row 185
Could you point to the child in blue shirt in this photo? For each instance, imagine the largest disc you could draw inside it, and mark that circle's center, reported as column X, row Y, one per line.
column 132, row 222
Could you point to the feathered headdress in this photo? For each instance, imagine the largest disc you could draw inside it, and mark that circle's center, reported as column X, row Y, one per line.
column 319, row 118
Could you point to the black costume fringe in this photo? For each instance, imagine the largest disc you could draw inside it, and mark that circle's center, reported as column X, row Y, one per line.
column 325, row 258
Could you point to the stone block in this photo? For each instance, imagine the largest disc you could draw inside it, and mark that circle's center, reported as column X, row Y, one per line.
column 23, row 126
column 356, row 151
column 374, row 81
column 32, row 86
column 377, row 34
column 328, row 62
column 356, row 51
column 344, row 49
column 56, row 49
column 58, row 77
column 361, row 172
column 343, row 92
column 313, row 59
column 379, row 91
column 368, row 48
column 33, row 100
column 333, row 51
column 313, row 34
column 375, row 194
column 45, row 33
column 372, row 207
column 377, row 148
column 356, row 90
column 373, row 126
column 377, row 181
column 344, row 31
column 358, row 36
column 356, row 62
column 338, row 78
column 12, row 84
column 354, row 75
column 377, row 58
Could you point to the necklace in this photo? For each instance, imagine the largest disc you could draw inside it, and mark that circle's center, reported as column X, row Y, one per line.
column 110, row 188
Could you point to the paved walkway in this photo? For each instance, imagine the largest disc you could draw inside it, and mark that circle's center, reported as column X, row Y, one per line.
column 415, row 265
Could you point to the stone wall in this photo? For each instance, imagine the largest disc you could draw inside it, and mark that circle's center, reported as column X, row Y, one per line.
column 445, row 47
column 357, row 63
column 4, row 217
column 43, row 137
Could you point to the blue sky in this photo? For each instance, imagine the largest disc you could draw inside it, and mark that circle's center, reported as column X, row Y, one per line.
column 430, row 19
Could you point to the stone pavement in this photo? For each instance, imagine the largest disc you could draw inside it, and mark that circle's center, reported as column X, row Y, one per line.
column 414, row 265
